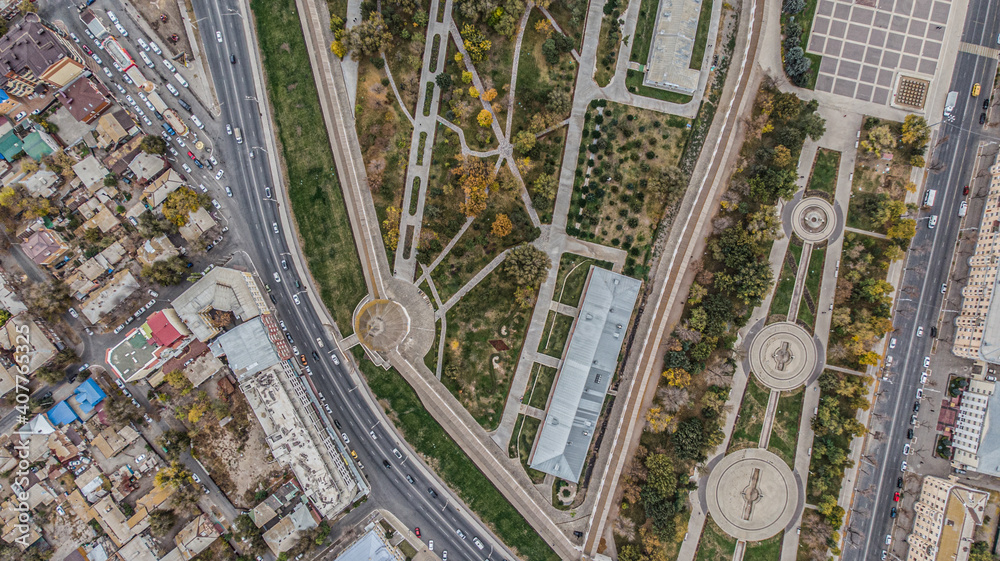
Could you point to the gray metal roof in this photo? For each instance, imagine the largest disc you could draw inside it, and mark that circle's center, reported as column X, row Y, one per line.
column 247, row 348
column 989, row 442
column 588, row 366
column 369, row 547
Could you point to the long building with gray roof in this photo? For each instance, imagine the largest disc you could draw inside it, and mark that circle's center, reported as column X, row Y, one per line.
column 588, row 365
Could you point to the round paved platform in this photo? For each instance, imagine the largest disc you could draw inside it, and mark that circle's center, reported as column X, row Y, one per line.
column 783, row 356
column 381, row 324
column 813, row 219
column 752, row 494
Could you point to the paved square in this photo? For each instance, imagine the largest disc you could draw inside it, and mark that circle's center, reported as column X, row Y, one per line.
column 866, row 48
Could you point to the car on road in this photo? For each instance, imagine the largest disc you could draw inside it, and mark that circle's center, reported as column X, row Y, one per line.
column 97, row 59
column 119, row 383
column 982, row 118
column 198, row 163
column 927, row 361
column 219, row 174
column 892, row 513
column 295, row 298
column 386, row 464
column 410, row 479
column 965, row 190
column 944, row 287
column 74, row 37
column 232, row 59
column 395, row 452
column 156, row 48
column 895, row 496
column 274, row 226
column 108, row 72
column 899, row 482
column 191, row 154
column 121, row 90
column 213, row 161
column 302, row 359
column 267, row 192
column 112, row 17
column 87, row 50
column 460, row 533
column 142, row 43
column 277, row 278
column 417, row 531
column 170, row 66
column 888, row 361
column 186, row 167
column 74, row 313
column 216, row 204
column 444, row 555
column 430, row 544
column 963, row 208
column 147, row 419
column 434, row 494
column 119, row 329
column 892, row 343
column 478, row 542
column 916, row 406
column 229, row 129
column 282, row 325
column 180, row 142
column 203, row 188
column 923, row 377
column 372, row 434
column 284, row 264
column 315, row 355
column 195, row 477
column 218, row 36
column 197, row 122
column 344, row 436
column 335, row 359
column 229, row 192
column 902, row 467
column 920, row 332
column 906, row 449
column 121, row 30
column 173, row 90
column 136, row 403
column 913, row 419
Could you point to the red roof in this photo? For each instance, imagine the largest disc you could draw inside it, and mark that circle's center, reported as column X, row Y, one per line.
column 163, row 332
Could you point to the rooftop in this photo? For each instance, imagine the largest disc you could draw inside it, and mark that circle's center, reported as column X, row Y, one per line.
column 91, row 172
column 120, row 287
column 85, row 99
column 589, row 364
column 248, row 349
column 672, row 45
column 29, row 48
column 222, row 289
column 370, row 547
column 44, row 246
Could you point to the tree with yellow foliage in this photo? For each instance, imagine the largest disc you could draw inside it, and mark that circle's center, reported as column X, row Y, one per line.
column 173, row 475
column 458, row 58
column 197, row 410
column 338, row 48
column 677, row 377
column 179, row 381
column 544, row 26
column 179, row 204
column 476, row 181
column 485, row 118
column 466, row 77
column 475, row 42
column 390, row 228
column 489, row 95
column 501, row 226
column 869, row 358
column 658, row 419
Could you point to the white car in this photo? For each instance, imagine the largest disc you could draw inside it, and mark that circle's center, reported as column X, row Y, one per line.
column 944, row 287
column 216, row 204
column 335, row 359
column 180, row 142
column 74, row 313
column 130, row 101
column 902, row 466
column 149, row 304
column 127, row 79
column 142, row 96
column 920, row 332
column 121, row 30
column 186, row 167
column 345, row 437
column 97, row 59
column 120, row 88
column 197, row 122
column 213, row 161
column 229, row 129
column 180, row 79
column 20, row 116
column 112, row 17
column 927, row 361
column 277, row 278
column 219, row 174
column 117, row 66
column 274, row 226
column 146, row 120
column 155, row 47
column 195, row 477
column 149, row 105
column 173, row 90
column 218, row 36
column 119, row 383
column 229, row 192
column 142, row 44
column 170, row 66
column 119, row 329
column 892, row 343
column 906, row 449
column 923, row 378
column 295, row 298
column 430, row 545
column 203, row 188
column 139, row 459
column 171, row 148
column 108, row 72
column 74, row 37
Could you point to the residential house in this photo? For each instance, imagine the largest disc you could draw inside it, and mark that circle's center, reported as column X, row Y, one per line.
column 199, row 222
column 43, row 183
column 31, row 55
column 114, row 127
column 91, row 173
column 146, row 166
column 166, row 183
column 156, row 249
column 44, row 247
column 40, row 349
column 122, row 285
column 85, row 99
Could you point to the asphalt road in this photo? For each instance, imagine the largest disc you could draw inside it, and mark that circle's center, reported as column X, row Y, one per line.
column 250, row 216
column 927, row 268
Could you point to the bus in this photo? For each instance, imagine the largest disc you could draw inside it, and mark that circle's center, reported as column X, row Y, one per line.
column 238, row 135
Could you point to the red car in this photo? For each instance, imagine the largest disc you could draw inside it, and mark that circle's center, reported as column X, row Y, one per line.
column 191, row 154
column 965, row 191
column 417, row 529
column 895, row 496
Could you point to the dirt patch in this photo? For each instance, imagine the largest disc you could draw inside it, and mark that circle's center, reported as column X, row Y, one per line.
column 151, row 11
column 65, row 533
column 285, row 47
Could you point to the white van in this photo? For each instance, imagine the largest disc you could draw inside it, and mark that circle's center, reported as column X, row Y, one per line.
column 145, row 59
column 180, row 79
column 932, row 222
column 197, row 122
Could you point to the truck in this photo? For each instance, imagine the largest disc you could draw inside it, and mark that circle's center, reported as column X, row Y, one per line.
column 929, row 196
column 238, row 135
column 175, row 122
column 949, row 104
column 157, row 102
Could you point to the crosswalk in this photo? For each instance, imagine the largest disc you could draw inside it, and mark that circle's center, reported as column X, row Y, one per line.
column 978, row 50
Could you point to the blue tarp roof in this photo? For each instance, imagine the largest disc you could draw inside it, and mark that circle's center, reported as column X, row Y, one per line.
column 88, row 395
column 61, row 414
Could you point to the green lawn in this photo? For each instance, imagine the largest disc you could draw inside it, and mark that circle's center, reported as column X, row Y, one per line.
column 824, row 172
column 557, row 327
column 785, row 431
column 431, row 358
column 701, row 35
column 449, row 461
column 633, row 81
column 337, row 8
column 317, row 201
column 766, row 550
column 746, row 433
column 644, row 30
column 525, row 431
column 805, row 21
column 540, row 384
column 714, row 545
column 608, row 47
column 814, row 274
column 573, row 270
column 782, row 300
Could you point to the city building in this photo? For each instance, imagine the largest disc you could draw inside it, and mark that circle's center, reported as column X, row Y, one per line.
column 284, row 535
column 147, row 347
column 85, row 99
column 40, row 349
column 977, row 334
column 44, row 247
column 669, row 64
column 220, row 292
column 372, row 546
column 946, row 518
column 589, row 363
column 122, row 285
column 32, row 55
column 976, row 434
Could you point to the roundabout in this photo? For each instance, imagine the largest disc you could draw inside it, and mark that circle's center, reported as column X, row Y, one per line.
column 814, row 220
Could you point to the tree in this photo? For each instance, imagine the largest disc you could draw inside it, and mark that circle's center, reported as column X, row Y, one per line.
column 917, row 161
column 880, row 139
column 476, row 44
column 545, row 186
column 179, row 204
column 169, row 272
column 501, row 226
column 161, row 521
column 559, row 101
column 677, row 377
column 525, row 297
column 50, row 375
column 338, row 48
column 175, row 442
column 121, row 412
column 390, row 227
column 813, row 125
column 526, row 264
column 660, row 476
column 444, row 81
column 793, row 7
column 782, row 156
column 47, row 300
column 658, row 419
column 370, row 37
column 110, row 180
column 796, row 65
column 27, row 6
column 904, row 230
column 476, row 179
column 179, row 381
column 151, row 144
column 173, row 475
column 916, row 132
column 980, row 551
column 485, row 118
column 544, row 27
column 689, row 439
column 489, row 95
column 524, row 141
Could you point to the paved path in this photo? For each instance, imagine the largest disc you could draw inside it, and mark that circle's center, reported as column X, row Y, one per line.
column 493, row 264
column 800, row 282
column 866, row 233
column 513, row 72
column 348, row 64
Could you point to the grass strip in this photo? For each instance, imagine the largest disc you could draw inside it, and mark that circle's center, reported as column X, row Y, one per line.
column 435, row 49
column 701, row 35
column 450, row 462
column 414, row 195
column 317, row 200
column 633, row 81
column 824, row 172
column 420, row 148
column 428, row 98
column 643, row 37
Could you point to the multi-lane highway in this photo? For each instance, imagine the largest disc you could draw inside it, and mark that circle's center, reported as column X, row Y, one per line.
column 927, row 269
column 424, row 503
